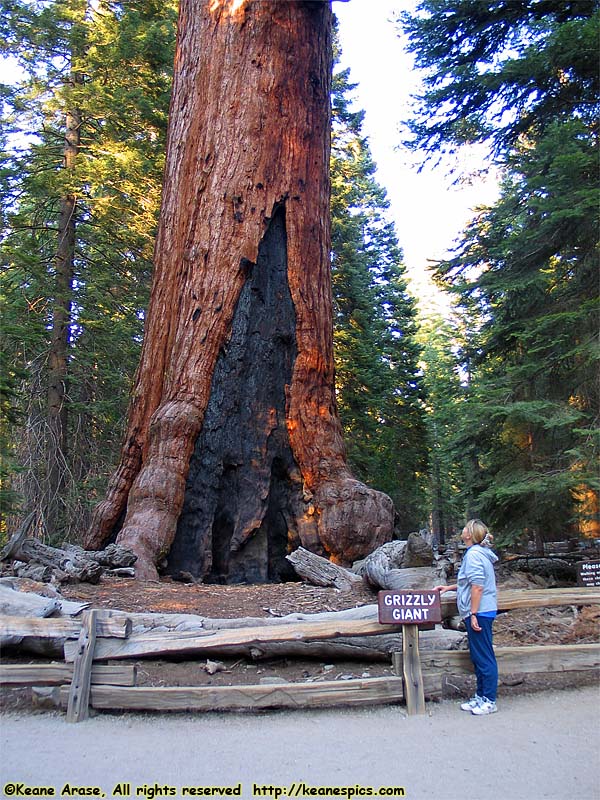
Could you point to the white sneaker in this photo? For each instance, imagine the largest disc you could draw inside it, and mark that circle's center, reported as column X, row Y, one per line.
column 485, row 707
column 472, row 703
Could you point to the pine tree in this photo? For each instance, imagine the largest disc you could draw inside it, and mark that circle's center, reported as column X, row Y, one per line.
column 444, row 405
column 495, row 71
column 86, row 128
column 379, row 388
column 528, row 274
column 524, row 76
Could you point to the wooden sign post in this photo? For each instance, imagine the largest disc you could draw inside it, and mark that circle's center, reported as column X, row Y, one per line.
column 411, row 609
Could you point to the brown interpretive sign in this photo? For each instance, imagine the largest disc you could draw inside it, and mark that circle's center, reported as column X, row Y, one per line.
column 588, row 573
column 409, row 607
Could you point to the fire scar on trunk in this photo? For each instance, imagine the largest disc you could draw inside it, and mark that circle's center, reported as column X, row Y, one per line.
column 244, row 488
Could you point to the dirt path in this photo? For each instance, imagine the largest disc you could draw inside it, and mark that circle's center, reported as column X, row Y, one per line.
column 544, row 745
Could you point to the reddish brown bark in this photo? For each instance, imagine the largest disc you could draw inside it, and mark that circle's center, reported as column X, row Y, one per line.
column 248, row 142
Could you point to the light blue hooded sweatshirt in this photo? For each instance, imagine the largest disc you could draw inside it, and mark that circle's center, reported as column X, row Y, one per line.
column 477, row 568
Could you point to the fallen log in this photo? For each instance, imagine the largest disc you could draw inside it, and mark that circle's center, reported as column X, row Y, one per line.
column 318, row 635
column 415, row 578
column 378, row 563
column 65, row 565
column 558, row 569
column 321, row 572
column 47, row 637
column 372, row 647
column 71, row 562
column 146, row 621
column 33, row 572
column 418, row 553
column 357, row 645
column 204, row 641
column 26, row 604
column 513, row 599
column 149, row 621
column 510, row 599
column 15, row 603
column 23, row 604
column 376, row 647
column 404, row 565
column 121, row 572
column 511, row 660
column 113, row 557
column 354, row 622
column 356, row 648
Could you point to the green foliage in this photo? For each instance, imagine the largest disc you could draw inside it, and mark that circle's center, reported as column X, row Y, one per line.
column 112, row 62
column 524, row 76
column 444, row 406
column 500, row 69
column 527, row 272
column 377, row 376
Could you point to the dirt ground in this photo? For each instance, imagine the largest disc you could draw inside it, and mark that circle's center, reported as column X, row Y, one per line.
column 216, row 601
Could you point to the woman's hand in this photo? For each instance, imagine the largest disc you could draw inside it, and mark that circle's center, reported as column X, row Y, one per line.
column 442, row 589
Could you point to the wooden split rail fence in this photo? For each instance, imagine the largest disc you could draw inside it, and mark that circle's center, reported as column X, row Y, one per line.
column 81, row 682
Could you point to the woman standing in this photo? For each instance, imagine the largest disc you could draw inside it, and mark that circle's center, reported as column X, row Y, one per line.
column 477, row 605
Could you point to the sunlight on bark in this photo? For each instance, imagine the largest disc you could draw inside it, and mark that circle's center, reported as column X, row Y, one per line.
column 234, row 8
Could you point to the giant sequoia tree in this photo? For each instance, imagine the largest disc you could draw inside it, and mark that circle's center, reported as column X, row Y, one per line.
column 234, row 451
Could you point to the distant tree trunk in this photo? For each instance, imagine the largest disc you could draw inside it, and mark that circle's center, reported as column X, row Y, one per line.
column 57, row 413
column 234, row 453
column 438, row 516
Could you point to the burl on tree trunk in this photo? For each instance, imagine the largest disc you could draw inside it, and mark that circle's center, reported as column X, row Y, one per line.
column 234, row 453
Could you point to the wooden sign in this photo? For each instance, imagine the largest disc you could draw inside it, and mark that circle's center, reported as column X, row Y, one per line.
column 588, row 573
column 409, row 607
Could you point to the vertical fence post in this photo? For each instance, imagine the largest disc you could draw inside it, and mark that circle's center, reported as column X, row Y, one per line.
column 79, row 693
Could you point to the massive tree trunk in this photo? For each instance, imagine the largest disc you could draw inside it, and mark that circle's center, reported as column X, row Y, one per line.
column 234, row 453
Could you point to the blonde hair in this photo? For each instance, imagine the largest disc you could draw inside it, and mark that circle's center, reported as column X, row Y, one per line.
column 479, row 532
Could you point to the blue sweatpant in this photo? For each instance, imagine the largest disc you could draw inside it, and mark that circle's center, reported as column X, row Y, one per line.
column 481, row 650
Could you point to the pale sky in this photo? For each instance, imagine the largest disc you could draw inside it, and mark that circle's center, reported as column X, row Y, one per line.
column 428, row 210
